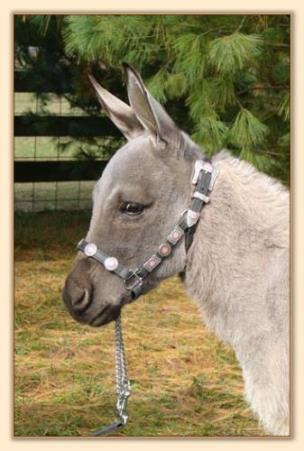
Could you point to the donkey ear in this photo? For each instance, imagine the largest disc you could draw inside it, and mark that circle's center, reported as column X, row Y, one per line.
column 149, row 111
column 119, row 112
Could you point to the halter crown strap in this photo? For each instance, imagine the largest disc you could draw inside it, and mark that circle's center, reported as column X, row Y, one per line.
column 203, row 180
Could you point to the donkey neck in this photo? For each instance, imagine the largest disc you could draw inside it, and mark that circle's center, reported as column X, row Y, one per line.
column 240, row 231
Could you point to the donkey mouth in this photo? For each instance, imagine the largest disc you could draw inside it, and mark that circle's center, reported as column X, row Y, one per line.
column 108, row 313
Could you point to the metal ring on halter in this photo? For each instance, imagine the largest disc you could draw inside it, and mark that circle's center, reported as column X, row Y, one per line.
column 133, row 281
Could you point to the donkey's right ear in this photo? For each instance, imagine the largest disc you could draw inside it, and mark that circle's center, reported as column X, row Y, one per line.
column 119, row 112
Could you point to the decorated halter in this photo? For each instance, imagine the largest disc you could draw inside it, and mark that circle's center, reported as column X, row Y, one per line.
column 203, row 180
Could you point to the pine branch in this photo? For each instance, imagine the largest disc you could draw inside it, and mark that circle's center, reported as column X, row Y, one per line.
column 230, row 53
column 247, row 131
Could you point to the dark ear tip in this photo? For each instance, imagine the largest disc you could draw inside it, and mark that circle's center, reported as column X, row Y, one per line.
column 94, row 82
column 91, row 78
column 128, row 67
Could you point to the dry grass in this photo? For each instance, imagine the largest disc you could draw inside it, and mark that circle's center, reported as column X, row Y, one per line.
column 184, row 381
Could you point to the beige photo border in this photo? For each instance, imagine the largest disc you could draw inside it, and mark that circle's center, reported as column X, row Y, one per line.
column 296, row 9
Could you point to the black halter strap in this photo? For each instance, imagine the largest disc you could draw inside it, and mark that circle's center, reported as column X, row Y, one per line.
column 202, row 179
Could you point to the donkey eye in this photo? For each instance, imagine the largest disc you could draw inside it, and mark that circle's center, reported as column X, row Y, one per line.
column 132, row 208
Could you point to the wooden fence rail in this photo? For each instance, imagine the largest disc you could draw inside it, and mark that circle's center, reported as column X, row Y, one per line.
column 34, row 125
column 82, row 126
column 57, row 171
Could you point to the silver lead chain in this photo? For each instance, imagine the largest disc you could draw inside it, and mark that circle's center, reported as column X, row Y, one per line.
column 123, row 386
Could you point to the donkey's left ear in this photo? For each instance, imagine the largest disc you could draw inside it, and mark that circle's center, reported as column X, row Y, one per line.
column 149, row 111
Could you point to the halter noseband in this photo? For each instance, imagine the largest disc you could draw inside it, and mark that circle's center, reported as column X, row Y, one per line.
column 203, row 180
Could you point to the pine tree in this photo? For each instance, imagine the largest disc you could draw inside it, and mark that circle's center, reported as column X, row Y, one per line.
column 224, row 78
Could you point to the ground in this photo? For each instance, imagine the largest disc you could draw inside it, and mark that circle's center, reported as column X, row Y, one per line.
column 185, row 382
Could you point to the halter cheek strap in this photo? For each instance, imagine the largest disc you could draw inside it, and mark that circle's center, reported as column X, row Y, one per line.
column 203, row 180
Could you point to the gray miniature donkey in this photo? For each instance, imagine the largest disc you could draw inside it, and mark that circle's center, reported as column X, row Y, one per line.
column 237, row 268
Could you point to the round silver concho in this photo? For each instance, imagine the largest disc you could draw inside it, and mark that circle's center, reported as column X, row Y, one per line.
column 90, row 249
column 164, row 250
column 111, row 263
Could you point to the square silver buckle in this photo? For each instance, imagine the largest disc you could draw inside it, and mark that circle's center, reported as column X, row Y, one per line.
column 133, row 281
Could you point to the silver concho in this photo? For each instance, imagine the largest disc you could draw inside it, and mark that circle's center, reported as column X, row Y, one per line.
column 164, row 249
column 90, row 249
column 152, row 263
column 192, row 217
column 175, row 235
column 111, row 263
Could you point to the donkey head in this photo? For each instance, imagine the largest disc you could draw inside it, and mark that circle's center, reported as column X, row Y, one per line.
column 140, row 196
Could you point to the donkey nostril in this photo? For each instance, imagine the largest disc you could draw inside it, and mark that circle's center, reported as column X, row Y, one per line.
column 82, row 302
column 78, row 293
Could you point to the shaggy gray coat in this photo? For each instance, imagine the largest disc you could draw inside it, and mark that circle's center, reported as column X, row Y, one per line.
column 237, row 268
column 238, row 271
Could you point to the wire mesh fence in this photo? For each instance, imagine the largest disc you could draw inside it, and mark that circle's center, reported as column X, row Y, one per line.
column 51, row 195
